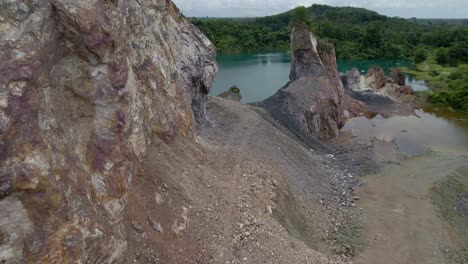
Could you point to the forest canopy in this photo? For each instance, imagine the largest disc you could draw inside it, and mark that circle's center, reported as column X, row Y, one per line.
column 356, row 33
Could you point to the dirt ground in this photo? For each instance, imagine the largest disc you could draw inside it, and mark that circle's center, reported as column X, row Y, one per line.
column 400, row 223
column 245, row 192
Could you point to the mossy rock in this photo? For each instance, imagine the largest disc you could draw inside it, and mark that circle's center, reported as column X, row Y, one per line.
column 232, row 94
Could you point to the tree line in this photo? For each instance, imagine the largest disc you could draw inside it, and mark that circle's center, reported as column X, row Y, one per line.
column 356, row 33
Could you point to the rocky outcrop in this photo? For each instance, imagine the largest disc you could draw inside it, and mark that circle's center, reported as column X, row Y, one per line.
column 375, row 80
column 376, row 93
column 232, row 94
column 84, row 86
column 312, row 100
column 375, row 77
column 397, row 76
column 353, row 79
column 404, row 90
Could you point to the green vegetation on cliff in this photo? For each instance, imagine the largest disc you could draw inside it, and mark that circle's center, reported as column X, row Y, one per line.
column 357, row 33
column 449, row 83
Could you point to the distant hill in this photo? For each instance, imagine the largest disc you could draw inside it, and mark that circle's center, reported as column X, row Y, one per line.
column 441, row 21
column 355, row 32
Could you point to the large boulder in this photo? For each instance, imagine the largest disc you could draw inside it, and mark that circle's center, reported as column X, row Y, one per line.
column 375, row 78
column 84, row 86
column 312, row 100
column 232, row 94
column 353, row 79
column 397, row 76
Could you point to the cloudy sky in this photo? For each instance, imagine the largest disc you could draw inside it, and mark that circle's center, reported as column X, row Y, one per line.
column 249, row 8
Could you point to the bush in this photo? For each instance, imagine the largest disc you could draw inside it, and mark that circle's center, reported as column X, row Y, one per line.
column 460, row 73
column 301, row 15
column 433, row 73
column 420, row 55
column 459, row 51
column 456, row 95
column 442, row 56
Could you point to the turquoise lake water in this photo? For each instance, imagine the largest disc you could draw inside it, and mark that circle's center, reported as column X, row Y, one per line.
column 261, row 75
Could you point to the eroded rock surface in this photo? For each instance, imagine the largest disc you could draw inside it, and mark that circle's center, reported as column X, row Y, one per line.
column 375, row 92
column 84, row 86
column 232, row 94
column 312, row 100
column 375, row 77
column 397, row 76
column 353, row 79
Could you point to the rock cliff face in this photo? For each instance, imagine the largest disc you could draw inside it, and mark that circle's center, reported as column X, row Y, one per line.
column 84, row 86
column 353, row 79
column 376, row 82
column 312, row 100
column 397, row 76
column 375, row 77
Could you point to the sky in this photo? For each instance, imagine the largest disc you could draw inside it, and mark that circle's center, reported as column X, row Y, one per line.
column 253, row 8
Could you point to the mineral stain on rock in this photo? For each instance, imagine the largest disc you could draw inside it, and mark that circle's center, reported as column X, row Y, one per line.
column 84, row 86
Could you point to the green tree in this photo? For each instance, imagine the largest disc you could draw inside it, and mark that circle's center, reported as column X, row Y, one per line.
column 301, row 15
column 459, row 50
column 356, row 33
column 442, row 56
column 373, row 37
column 420, row 55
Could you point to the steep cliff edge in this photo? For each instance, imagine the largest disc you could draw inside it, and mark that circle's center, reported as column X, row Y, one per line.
column 312, row 100
column 84, row 86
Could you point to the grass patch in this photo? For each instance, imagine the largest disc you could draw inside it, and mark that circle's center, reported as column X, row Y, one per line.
column 446, row 194
column 289, row 214
column 429, row 71
column 348, row 238
column 448, row 85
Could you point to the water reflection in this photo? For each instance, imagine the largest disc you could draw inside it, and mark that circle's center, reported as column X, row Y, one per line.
column 257, row 75
column 417, row 85
column 430, row 128
column 260, row 75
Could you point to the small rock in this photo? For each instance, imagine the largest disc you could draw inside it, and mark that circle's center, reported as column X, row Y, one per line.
column 158, row 198
column 274, row 182
column 270, row 209
column 156, row 225
column 232, row 94
column 137, row 227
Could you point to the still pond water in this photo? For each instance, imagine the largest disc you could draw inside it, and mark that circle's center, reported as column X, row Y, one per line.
column 260, row 75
